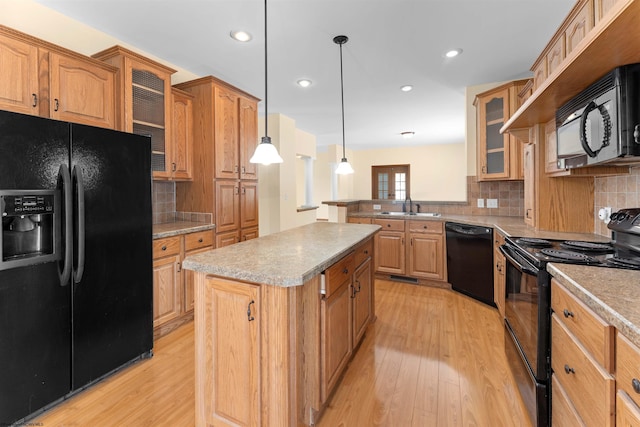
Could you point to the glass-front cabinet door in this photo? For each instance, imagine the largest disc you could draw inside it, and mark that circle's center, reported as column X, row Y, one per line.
column 493, row 147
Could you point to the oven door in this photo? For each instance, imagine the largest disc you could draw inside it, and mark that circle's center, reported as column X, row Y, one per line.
column 528, row 328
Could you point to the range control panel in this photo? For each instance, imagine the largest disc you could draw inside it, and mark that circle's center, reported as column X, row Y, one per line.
column 25, row 204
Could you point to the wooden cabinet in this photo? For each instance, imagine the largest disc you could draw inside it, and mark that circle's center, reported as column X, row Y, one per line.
column 529, row 184
column 181, row 142
column 173, row 299
column 425, row 251
column 499, row 269
column 602, row 8
column 356, row 220
column 582, row 348
column 144, row 101
column 231, row 366
column 39, row 78
column 362, row 296
column 389, row 246
column 627, row 382
column 499, row 155
column 224, row 182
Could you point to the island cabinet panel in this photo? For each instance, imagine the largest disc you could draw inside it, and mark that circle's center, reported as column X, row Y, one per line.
column 362, row 296
column 166, row 290
column 627, row 382
column 499, row 278
column 230, row 320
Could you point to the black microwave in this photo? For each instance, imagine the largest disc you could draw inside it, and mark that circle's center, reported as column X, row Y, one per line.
column 602, row 123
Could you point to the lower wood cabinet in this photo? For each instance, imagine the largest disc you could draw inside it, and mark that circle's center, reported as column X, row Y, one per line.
column 173, row 299
column 411, row 248
column 582, row 348
column 499, row 278
column 627, row 382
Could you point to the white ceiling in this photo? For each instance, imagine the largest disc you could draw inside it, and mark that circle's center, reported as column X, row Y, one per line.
column 391, row 43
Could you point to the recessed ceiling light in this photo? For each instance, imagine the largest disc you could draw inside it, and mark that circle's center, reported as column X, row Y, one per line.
column 406, row 88
column 453, row 53
column 407, row 135
column 304, row 82
column 241, row 36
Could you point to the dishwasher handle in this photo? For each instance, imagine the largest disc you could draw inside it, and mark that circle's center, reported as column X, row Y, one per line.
column 468, row 230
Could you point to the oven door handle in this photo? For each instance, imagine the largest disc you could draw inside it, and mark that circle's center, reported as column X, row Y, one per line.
column 507, row 251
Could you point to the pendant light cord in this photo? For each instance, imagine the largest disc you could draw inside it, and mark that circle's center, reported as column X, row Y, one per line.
column 342, row 101
column 266, row 97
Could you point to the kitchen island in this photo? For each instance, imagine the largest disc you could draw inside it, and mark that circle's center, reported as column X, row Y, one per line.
column 277, row 319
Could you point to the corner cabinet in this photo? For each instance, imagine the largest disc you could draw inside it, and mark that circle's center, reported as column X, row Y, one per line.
column 42, row 79
column 144, row 99
column 499, row 155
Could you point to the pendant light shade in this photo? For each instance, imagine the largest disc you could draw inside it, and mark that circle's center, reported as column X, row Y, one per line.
column 266, row 153
column 344, row 168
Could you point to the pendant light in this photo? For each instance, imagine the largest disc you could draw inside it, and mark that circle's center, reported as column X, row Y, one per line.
column 344, row 168
column 266, row 153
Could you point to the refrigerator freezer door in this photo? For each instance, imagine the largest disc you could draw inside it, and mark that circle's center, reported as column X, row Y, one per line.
column 35, row 339
column 112, row 301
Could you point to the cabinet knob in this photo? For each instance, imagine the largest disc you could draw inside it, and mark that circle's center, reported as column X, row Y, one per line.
column 388, row 225
column 569, row 370
column 200, row 240
column 425, row 227
column 345, row 271
column 567, row 313
column 635, row 383
column 366, row 252
column 164, row 248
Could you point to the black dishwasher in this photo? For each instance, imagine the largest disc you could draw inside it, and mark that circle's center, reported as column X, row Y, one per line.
column 470, row 260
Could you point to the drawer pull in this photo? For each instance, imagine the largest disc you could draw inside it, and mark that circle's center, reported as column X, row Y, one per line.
column 569, row 370
column 200, row 240
column 567, row 313
column 635, row 383
column 388, row 225
column 164, row 248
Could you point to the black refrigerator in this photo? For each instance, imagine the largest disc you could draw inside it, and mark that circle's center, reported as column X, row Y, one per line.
column 76, row 279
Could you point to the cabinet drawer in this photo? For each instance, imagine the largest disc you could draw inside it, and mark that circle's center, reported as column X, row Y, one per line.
column 339, row 273
column 198, row 240
column 390, row 224
column 628, row 367
column 563, row 413
column 627, row 412
column 165, row 247
column 364, row 251
column 590, row 388
column 433, row 227
column 592, row 332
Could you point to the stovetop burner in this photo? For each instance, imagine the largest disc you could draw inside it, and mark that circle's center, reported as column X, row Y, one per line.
column 624, row 262
column 587, row 246
column 574, row 257
column 532, row 241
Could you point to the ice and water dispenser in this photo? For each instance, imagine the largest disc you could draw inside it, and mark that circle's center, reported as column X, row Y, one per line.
column 30, row 227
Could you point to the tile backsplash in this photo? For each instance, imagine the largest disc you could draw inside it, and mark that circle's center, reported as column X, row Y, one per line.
column 164, row 206
column 617, row 192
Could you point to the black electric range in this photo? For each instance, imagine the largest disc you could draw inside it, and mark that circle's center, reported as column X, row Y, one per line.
column 623, row 251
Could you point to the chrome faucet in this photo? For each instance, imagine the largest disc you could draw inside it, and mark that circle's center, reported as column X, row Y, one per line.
column 404, row 205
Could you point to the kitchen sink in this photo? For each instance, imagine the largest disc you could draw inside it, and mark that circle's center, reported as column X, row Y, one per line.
column 431, row 214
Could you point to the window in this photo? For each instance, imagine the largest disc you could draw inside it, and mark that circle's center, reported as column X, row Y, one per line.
column 390, row 182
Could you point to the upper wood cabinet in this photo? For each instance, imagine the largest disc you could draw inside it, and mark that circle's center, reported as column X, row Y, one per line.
column 499, row 155
column 41, row 79
column 181, row 142
column 236, row 122
column 144, row 100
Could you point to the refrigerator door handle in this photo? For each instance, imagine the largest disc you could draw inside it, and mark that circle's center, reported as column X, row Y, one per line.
column 80, row 246
column 65, row 179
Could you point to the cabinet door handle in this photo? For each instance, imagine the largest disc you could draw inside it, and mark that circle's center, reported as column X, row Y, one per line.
column 353, row 291
column 173, row 166
column 249, row 316
column 35, row 99
column 236, row 190
column 244, row 190
column 243, row 169
column 569, row 370
column 235, row 169
column 411, row 241
column 179, row 267
column 56, row 104
column 636, row 385
column 567, row 313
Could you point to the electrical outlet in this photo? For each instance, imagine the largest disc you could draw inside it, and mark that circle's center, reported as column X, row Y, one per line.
column 492, row 203
column 481, row 203
column 377, row 207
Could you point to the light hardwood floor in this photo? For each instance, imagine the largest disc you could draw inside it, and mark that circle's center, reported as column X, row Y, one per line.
column 432, row 358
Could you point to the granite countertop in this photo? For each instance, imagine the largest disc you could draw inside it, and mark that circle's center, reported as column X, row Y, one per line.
column 508, row 225
column 612, row 293
column 288, row 258
column 170, row 229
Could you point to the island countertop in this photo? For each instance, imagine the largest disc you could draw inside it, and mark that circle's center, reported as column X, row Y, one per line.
column 288, row 258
